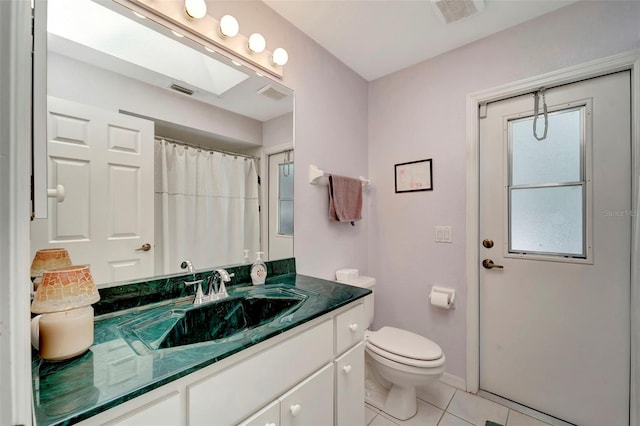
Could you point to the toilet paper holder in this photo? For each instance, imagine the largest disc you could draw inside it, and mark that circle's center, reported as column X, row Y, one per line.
column 439, row 291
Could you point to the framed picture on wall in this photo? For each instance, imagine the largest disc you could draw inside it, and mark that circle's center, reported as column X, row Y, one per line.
column 414, row 176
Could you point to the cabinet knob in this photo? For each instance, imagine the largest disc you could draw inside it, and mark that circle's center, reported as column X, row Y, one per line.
column 347, row 369
column 295, row 409
column 353, row 327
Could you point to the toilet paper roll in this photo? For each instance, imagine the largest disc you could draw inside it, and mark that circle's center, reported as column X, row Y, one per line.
column 441, row 300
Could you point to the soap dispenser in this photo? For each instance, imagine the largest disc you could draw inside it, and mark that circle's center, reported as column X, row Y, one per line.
column 258, row 270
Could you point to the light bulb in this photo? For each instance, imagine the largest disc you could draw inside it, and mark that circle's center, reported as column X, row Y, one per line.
column 280, row 56
column 195, row 9
column 257, row 43
column 229, row 26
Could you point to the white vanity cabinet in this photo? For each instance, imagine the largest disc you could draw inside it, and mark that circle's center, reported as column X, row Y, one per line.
column 345, row 385
column 310, row 375
column 349, row 391
column 350, row 328
column 268, row 416
column 308, row 403
column 311, row 402
column 231, row 395
column 164, row 411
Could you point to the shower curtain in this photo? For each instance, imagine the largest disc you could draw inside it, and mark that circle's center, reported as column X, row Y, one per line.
column 207, row 207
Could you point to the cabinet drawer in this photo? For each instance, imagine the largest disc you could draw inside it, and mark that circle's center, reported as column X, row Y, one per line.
column 268, row 416
column 350, row 326
column 232, row 394
column 350, row 387
column 310, row 402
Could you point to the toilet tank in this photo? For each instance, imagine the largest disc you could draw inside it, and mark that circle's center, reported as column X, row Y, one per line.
column 365, row 282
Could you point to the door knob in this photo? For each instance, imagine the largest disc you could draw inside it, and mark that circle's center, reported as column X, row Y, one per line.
column 57, row 193
column 144, row 247
column 487, row 243
column 488, row 264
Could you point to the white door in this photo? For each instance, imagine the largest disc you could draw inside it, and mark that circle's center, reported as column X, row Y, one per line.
column 104, row 161
column 554, row 317
column 281, row 205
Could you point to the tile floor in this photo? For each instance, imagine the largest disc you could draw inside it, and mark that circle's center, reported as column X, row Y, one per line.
column 443, row 405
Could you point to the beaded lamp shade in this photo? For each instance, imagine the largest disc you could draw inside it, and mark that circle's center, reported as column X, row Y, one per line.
column 65, row 288
column 46, row 259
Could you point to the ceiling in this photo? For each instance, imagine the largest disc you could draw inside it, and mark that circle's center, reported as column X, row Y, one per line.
column 379, row 37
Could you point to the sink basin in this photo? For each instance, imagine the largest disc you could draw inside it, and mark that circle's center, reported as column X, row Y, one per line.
column 220, row 321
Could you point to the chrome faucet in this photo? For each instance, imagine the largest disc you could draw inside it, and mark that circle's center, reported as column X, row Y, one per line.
column 186, row 264
column 199, row 297
column 219, row 276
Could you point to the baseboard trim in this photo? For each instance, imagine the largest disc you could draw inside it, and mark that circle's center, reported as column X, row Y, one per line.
column 455, row 381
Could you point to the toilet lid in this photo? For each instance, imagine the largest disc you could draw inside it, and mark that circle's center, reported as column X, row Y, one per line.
column 405, row 344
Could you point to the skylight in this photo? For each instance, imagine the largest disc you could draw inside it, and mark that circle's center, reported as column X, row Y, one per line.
column 89, row 24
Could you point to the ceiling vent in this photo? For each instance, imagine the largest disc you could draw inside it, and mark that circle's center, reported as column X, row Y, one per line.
column 181, row 89
column 449, row 11
column 272, row 93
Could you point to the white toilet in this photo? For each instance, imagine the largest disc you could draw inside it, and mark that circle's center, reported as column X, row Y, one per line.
column 396, row 362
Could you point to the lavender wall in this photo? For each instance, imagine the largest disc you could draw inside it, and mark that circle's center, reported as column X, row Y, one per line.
column 76, row 81
column 419, row 113
column 330, row 131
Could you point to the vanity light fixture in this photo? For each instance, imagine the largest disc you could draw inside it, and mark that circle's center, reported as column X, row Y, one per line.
column 195, row 9
column 223, row 33
column 280, row 56
column 257, row 43
column 229, row 26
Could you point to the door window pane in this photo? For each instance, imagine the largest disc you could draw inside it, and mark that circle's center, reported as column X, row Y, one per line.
column 285, row 217
column 547, row 220
column 547, row 186
column 285, row 199
column 554, row 159
column 285, row 181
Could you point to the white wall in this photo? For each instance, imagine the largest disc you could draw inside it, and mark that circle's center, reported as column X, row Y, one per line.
column 278, row 131
column 419, row 113
column 89, row 85
column 330, row 131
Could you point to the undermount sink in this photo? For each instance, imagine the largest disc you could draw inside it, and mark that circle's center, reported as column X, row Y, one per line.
column 224, row 320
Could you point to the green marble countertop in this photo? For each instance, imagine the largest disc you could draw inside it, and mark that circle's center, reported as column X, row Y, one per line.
column 114, row 370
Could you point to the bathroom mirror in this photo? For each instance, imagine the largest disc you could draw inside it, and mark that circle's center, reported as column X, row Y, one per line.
column 159, row 143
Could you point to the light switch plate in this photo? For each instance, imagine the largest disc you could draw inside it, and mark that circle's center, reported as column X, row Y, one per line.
column 443, row 234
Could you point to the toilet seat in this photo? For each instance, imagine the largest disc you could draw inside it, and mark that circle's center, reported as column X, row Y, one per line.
column 405, row 347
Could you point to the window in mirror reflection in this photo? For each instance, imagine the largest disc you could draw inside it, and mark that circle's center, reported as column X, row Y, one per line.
column 285, row 199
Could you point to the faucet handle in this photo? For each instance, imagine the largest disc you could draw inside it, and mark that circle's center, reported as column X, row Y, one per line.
column 199, row 298
column 224, row 275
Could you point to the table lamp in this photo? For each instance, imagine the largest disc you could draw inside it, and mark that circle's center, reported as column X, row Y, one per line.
column 46, row 259
column 64, row 298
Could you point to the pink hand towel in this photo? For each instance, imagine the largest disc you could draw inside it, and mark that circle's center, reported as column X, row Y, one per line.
column 345, row 199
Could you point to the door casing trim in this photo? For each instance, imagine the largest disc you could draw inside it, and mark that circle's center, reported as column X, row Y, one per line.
column 621, row 62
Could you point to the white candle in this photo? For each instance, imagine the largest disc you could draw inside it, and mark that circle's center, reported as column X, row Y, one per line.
column 63, row 335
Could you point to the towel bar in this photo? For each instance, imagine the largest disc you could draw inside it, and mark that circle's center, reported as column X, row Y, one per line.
column 315, row 174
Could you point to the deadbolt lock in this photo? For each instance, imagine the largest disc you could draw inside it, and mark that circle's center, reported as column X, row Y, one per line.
column 487, row 243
